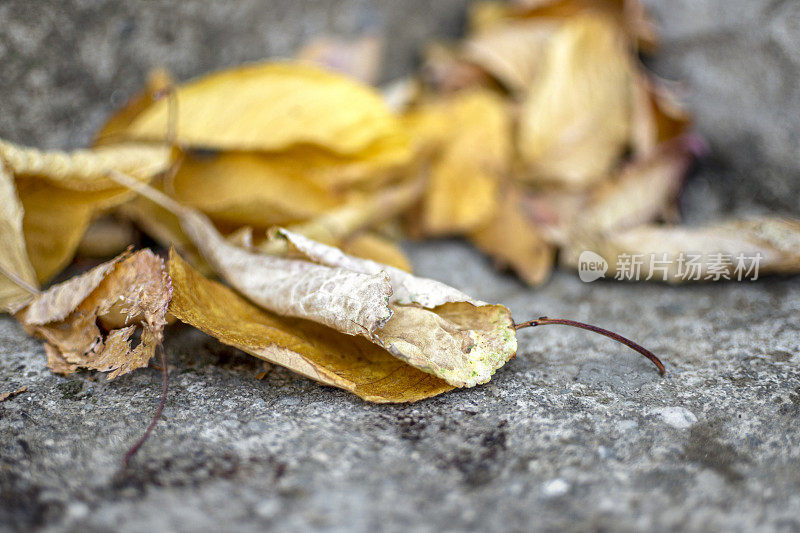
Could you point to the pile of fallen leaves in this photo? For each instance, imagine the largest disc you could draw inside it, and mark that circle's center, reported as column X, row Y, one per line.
column 538, row 136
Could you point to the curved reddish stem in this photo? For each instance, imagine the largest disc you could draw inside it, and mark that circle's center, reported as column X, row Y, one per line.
column 544, row 321
column 164, row 386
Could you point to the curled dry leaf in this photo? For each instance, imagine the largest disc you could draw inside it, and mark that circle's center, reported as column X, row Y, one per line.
column 18, row 282
column 310, row 349
column 576, row 120
column 61, row 192
column 718, row 247
column 271, row 107
column 347, row 301
column 85, row 170
column 428, row 324
column 89, row 320
column 432, row 326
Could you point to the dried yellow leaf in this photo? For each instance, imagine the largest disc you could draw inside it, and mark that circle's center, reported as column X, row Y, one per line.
column 432, row 326
column 644, row 190
column 512, row 239
column 628, row 15
column 18, row 281
column 475, row 151
column 658, row 116
column 512, row 53
column 272, row 107
column 576, row 120
column 377, row 248
column 248, row 188
column 159, row 84
column 61, row 192
column 435, row 327
column 121, row 295
column 310, row 349
column 85, row 170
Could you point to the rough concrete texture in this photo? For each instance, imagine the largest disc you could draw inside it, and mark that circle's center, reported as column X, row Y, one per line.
column 739, row 63
column 575, row 433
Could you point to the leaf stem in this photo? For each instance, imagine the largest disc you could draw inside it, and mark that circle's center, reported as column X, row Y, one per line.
column 147, row 191
column 19, row 281
column 544, row 321
column 164, row 387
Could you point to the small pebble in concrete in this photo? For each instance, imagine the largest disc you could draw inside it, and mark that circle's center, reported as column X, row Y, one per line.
column 555, row 488
column 677, row 417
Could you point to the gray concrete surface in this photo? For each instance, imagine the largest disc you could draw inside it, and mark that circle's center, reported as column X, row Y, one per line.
column 739, row 62
column 575, row 433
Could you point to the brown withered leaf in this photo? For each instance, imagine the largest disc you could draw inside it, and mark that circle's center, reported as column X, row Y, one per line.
column 512, row 239
column 576, row 120
column 310, row 349
column 272, row 107
column 719, row 248
column 18, row 283
column 474, row 154
column 89, row 320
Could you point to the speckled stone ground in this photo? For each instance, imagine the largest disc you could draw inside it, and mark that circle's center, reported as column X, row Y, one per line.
column 575, row 433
